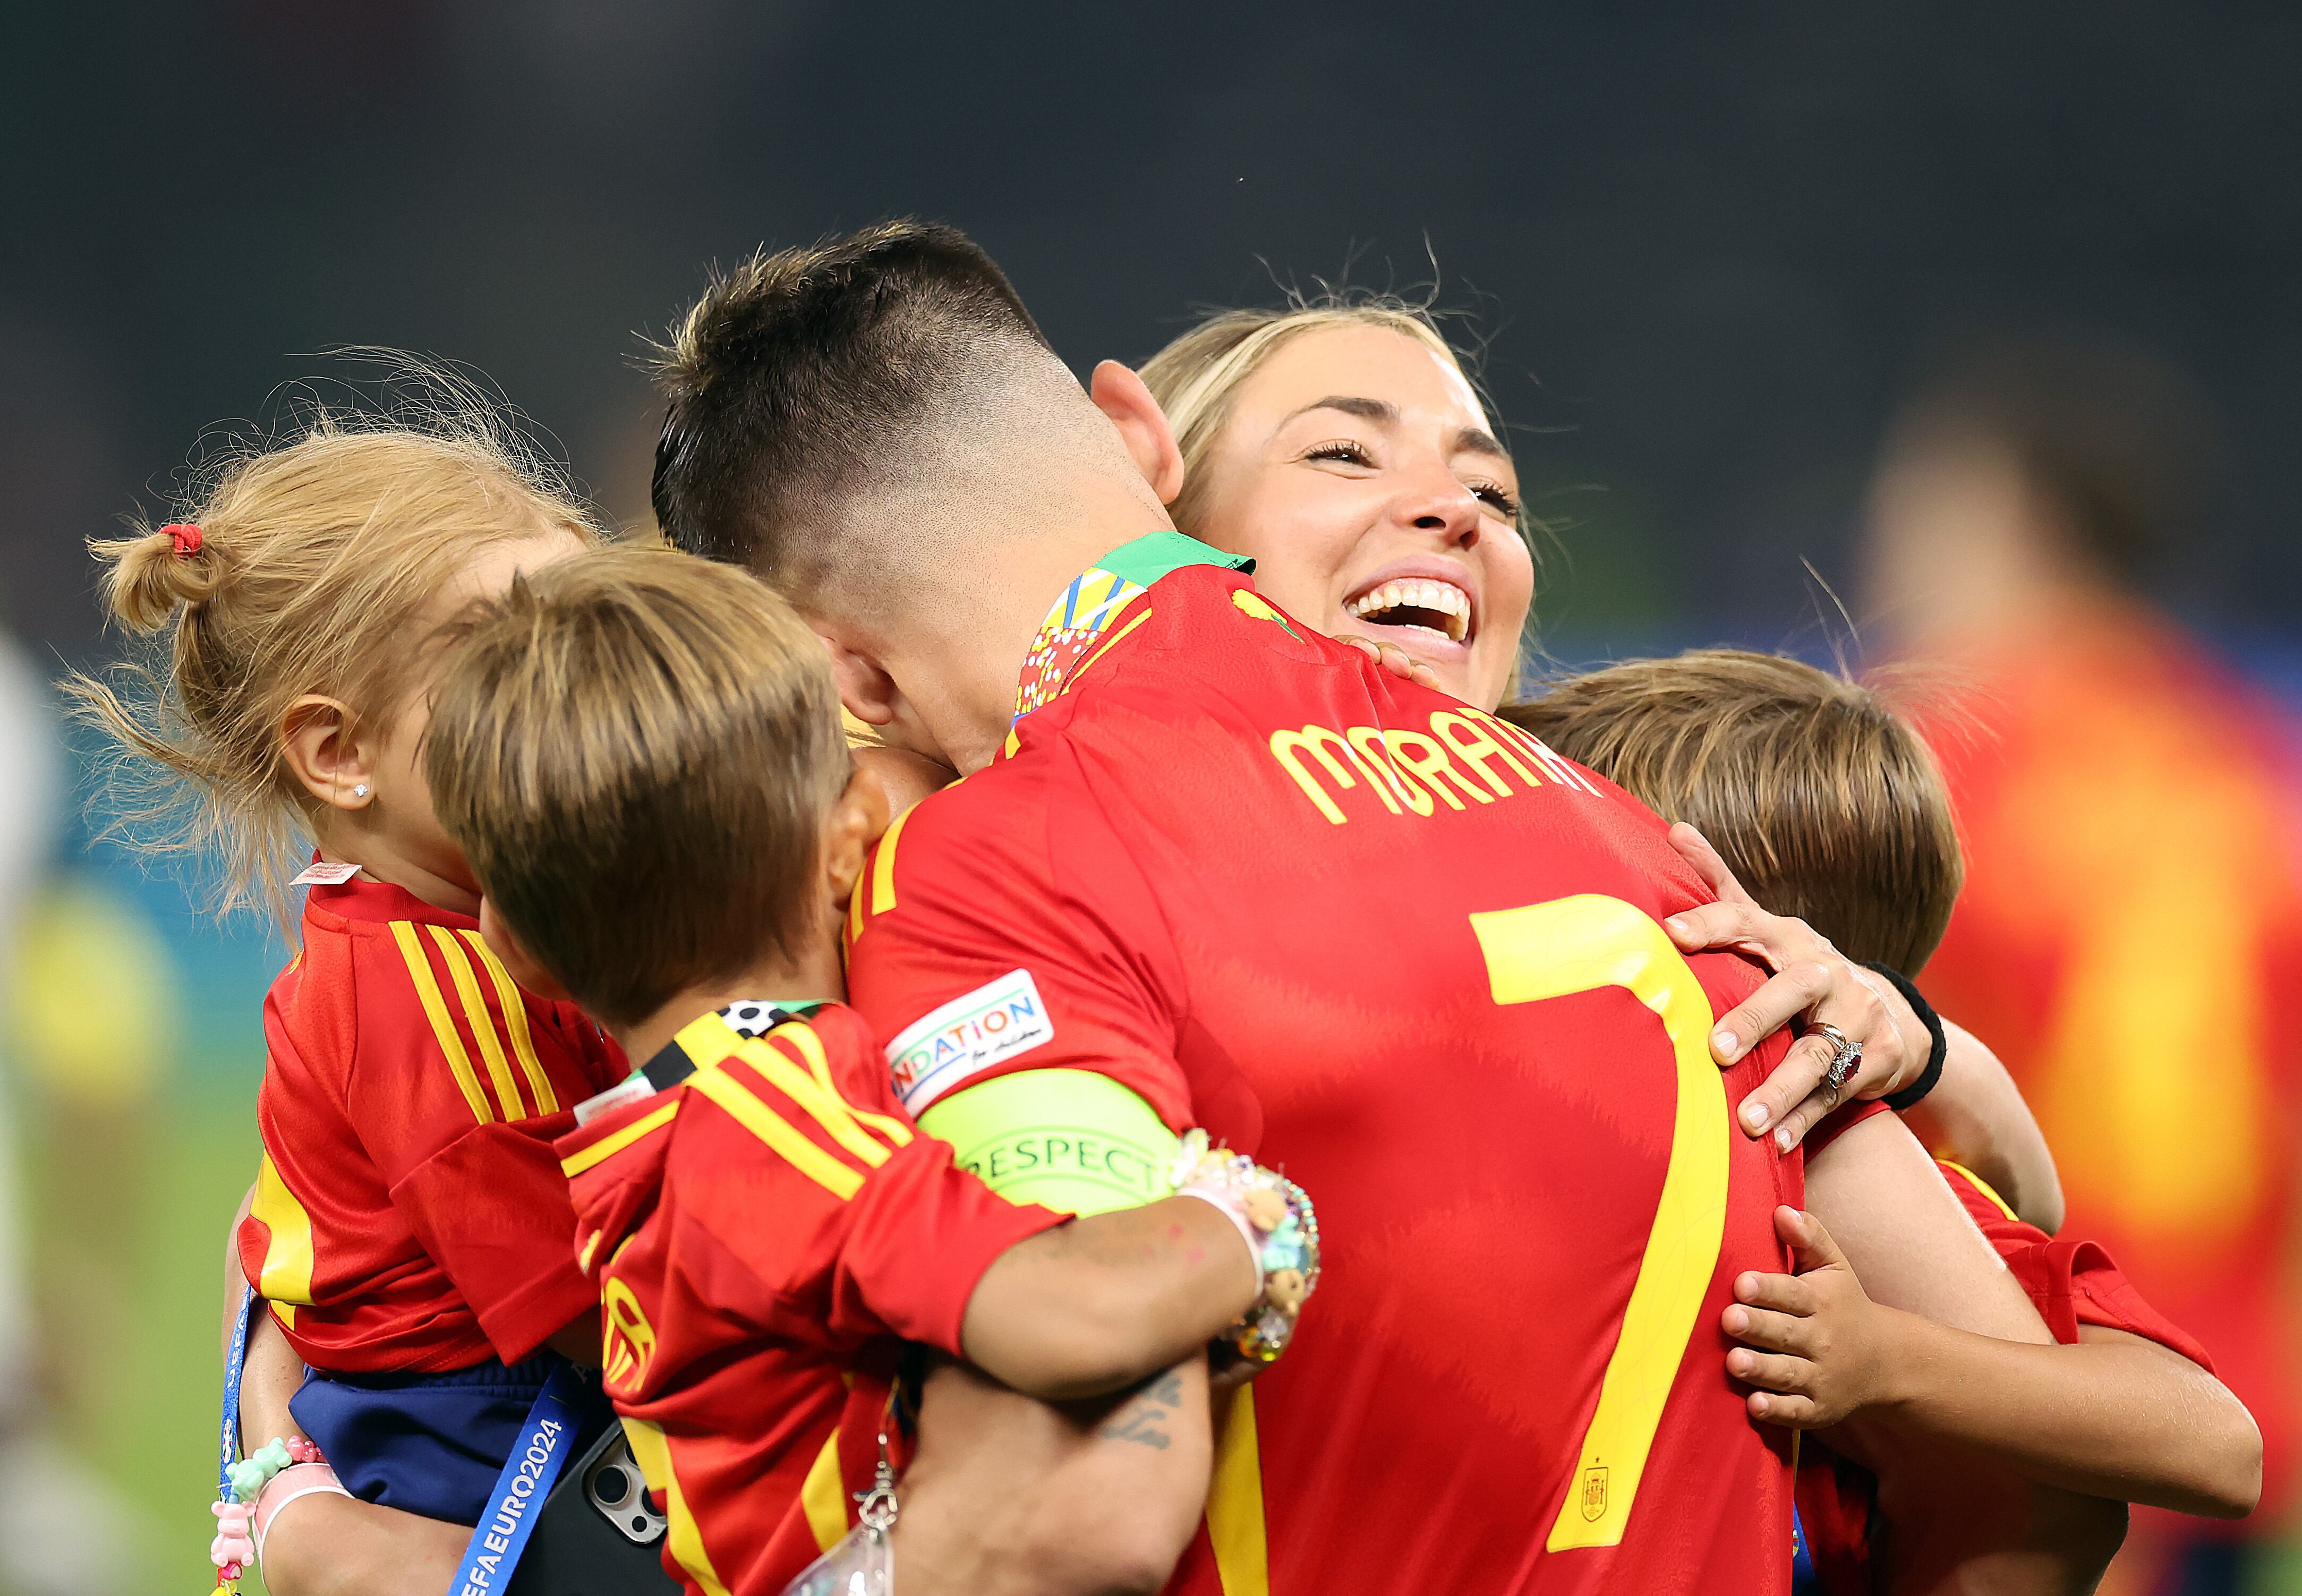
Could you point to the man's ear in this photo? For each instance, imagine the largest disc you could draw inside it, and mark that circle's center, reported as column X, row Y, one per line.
column 859, row 817
column 865, row 690
column 1120, row 394
column 515, row 957
column 330, row 756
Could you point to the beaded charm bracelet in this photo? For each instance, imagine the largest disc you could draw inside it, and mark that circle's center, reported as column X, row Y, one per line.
column 1282, row 1230
column 240, row 1523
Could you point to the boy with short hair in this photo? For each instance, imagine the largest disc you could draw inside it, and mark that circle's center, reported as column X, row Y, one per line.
column 1827, row 804
column 641, row 754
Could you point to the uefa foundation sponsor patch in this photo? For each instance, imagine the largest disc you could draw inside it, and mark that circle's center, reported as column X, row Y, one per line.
column 968, row 1036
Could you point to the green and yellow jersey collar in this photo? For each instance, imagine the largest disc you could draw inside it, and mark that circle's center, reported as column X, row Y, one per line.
column 1094, row 600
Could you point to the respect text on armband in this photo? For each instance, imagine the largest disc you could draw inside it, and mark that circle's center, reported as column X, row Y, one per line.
column 1467, row 759
column 1020, row 1156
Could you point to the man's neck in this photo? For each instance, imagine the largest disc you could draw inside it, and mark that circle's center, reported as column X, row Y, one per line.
column 816, row 978
column 975, row 649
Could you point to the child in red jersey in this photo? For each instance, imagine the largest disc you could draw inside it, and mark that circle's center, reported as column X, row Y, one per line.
column 408, row 1223
column 641, row 755
column 1826, row 804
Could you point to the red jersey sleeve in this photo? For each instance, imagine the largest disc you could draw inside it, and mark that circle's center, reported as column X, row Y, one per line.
column 1839, row 1120
column 973, row 957
column 491, row 1208
column 456, row 1091
column 813, row 1204
column 2070, row 1282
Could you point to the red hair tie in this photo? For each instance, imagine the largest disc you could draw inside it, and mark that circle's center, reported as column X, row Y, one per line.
column 186, row 538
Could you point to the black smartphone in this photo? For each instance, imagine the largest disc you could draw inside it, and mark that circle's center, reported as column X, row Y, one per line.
column 598, row 1534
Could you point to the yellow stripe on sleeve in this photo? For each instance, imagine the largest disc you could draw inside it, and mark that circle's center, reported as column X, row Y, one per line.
column 652, row 1453
column 443, row 1028
column 286, row 1277
column 515, row 1019
column 802, row 1037
column 482, row 1023
column 823, row 1495
column 615, row 1142
column 1235, row 1527
column 776, row 1132
column 883, row 864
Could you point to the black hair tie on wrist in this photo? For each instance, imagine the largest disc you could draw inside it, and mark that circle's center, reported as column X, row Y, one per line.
column 1912, row 1094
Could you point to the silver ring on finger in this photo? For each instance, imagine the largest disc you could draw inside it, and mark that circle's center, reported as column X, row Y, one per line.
column 1846, row 1058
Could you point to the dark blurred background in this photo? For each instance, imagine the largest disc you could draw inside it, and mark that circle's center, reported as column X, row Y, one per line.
column 1708, row 250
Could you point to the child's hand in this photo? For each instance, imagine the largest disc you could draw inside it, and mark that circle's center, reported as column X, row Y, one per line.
column 1822, row 1351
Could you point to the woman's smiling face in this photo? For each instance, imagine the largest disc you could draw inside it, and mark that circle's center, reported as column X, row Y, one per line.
column 1359, row 469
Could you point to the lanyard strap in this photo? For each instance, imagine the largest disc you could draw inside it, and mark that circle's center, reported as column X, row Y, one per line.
column 235, row 1358
column 510, row 1518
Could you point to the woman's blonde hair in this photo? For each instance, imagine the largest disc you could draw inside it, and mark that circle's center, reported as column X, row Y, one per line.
column 311, row 565
column 1197, row 376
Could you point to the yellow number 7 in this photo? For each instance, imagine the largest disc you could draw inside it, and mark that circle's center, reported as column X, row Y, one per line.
column 1580, row 944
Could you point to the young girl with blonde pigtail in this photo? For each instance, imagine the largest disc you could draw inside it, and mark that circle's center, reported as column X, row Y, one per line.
column 409, row 1229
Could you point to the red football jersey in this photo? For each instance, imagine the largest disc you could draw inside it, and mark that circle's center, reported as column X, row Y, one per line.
column 2165, row 996
column 2071, row 1282
column 1406, row 953
column 766, row 1232
column 409, row 1214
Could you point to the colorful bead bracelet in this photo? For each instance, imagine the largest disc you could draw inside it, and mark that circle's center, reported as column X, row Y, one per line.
column 235, row 1543
column 1281, row 1232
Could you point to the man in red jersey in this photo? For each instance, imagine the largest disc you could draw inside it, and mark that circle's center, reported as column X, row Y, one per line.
column 1535, row 949
column 1219, row 871
column 2058, row 481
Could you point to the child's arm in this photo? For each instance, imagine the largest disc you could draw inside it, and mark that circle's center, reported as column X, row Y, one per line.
column 1976, row 1117
column 334, row 1545
column 2116, row 1416
column 1108, row 1300
column 235, row 1277
column 340, row 1546
column 1946, row 1520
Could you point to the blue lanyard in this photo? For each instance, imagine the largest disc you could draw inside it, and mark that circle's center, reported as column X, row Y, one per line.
column 511, row 1516
column 527, row 1477
column 234, row 1360
column 1804, row 1579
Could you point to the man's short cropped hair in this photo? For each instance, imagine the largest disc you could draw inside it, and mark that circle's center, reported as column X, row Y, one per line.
column 800, row 377
column 2123, row 445
column 1825, row 803
column 637, row 752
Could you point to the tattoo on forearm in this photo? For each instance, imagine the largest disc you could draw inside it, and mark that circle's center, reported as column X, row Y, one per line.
column 1142, row 1418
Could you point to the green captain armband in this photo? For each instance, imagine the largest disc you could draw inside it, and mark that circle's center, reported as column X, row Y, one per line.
column 1066, row 1138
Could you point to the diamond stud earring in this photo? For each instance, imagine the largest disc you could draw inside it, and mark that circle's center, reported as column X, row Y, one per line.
column 360, row 791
